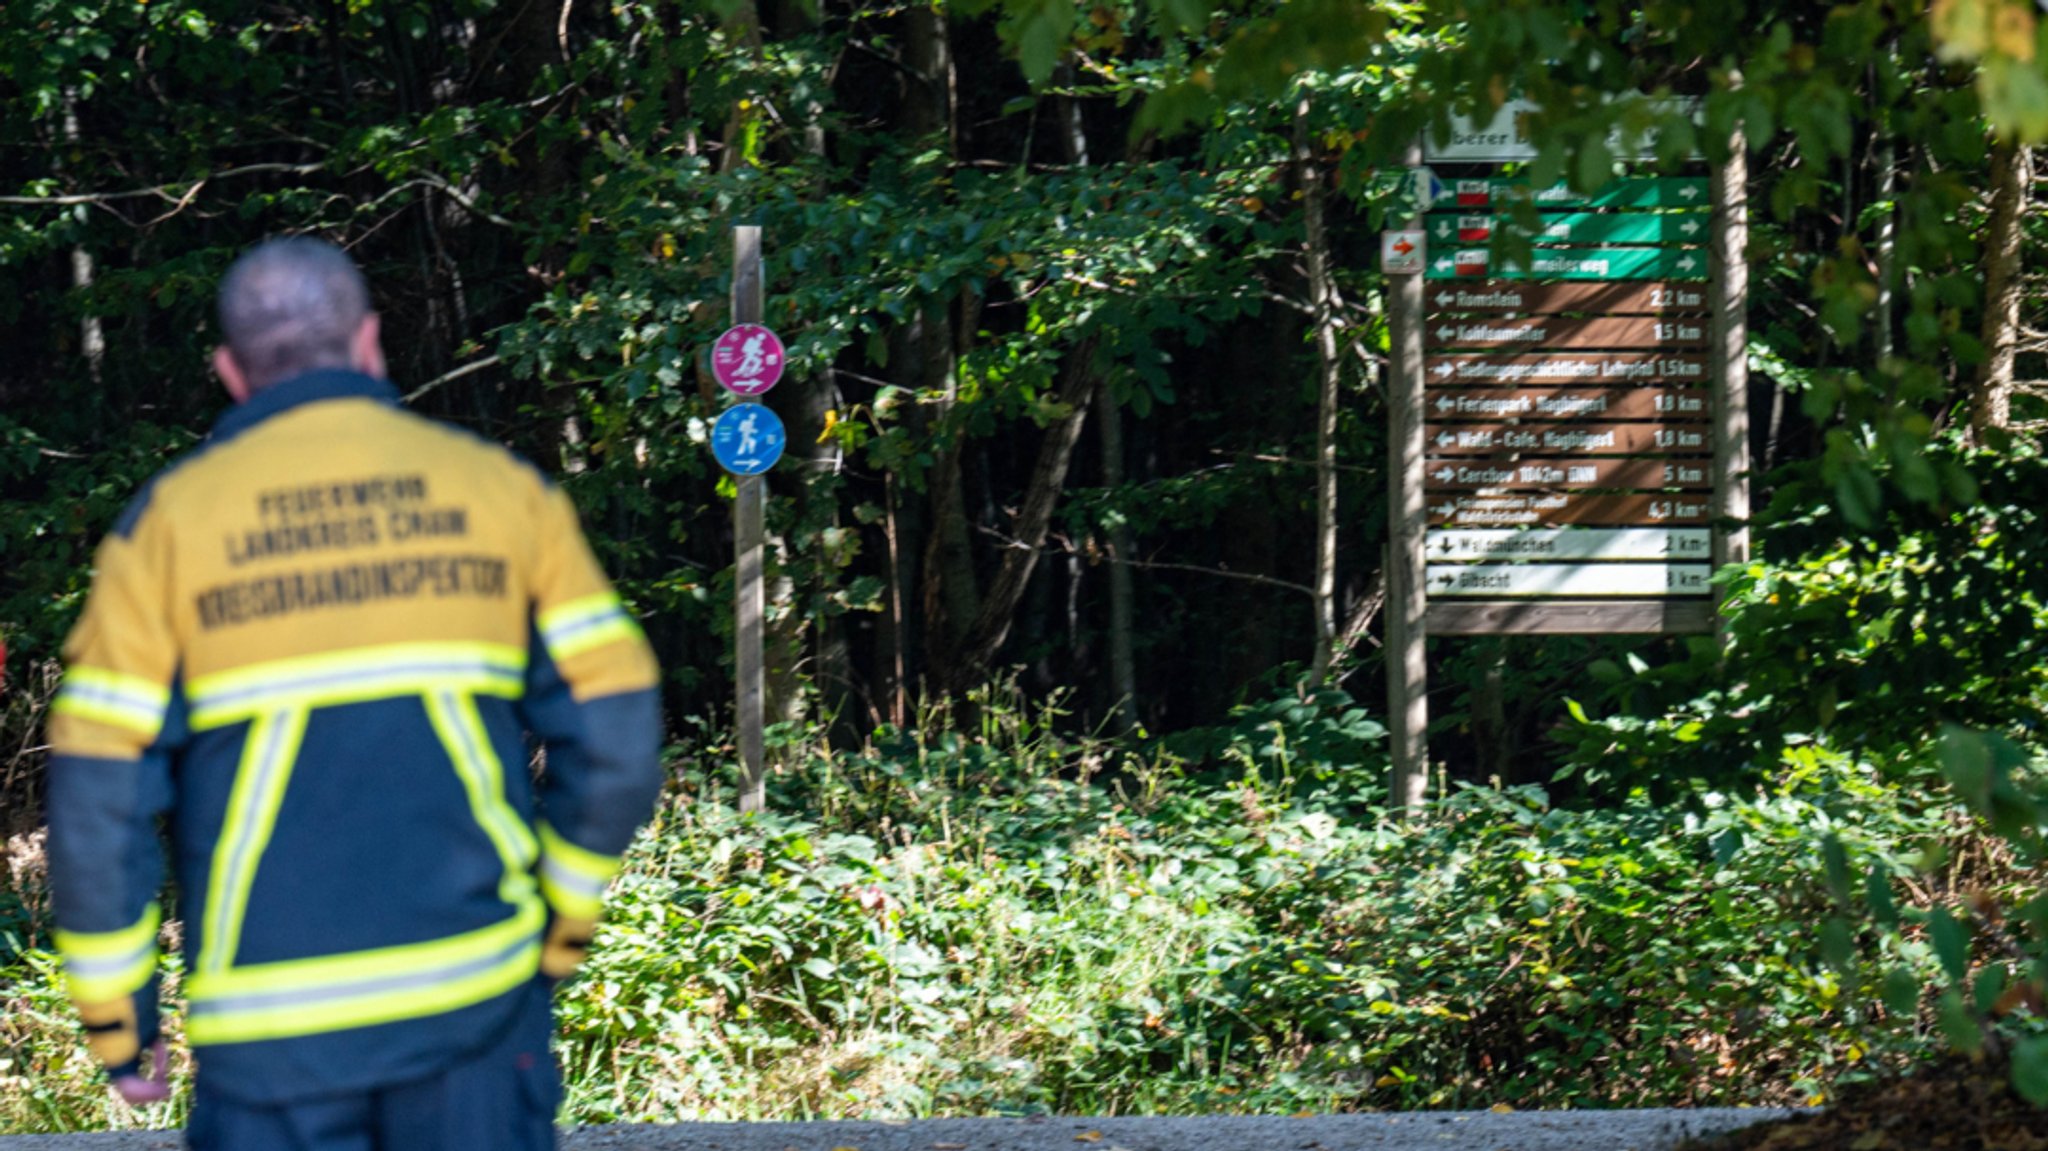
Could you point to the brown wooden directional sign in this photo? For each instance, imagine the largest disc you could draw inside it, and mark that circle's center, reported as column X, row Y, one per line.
column 1631, row 402
column 1510, row 297
column 1563, row 368
column 1548, row 332
column 1564, row 439
column 1517, row 509
column 1566, row 474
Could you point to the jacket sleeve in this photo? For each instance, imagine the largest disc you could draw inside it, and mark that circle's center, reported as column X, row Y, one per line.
column 592, row 701
column 113, row 728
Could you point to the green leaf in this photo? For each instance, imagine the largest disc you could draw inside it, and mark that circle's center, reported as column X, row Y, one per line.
column 1838, row 944
column 1951, row 943
column 1041, row 31
column 1958, row 1024
column 1877, row 892
column 1901, row 993
column 1596, row 165
column 1835, row 858
column 2030, row 1070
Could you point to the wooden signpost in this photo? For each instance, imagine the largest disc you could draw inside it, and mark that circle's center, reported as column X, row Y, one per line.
column 1569, row 435
column 748, row 360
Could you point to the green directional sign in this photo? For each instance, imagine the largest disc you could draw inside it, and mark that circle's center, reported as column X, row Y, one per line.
column 1570, row 264
column 1574, row 228
column 1638, row 192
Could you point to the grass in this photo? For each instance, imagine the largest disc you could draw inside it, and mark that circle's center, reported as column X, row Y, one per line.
column 1006, row 921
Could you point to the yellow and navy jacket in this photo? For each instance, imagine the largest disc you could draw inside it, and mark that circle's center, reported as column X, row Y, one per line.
column 315, row 651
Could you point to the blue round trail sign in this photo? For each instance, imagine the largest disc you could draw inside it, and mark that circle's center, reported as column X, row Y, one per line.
column 747, row 439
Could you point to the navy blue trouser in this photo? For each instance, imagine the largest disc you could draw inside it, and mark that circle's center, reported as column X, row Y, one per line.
column 502, row 1098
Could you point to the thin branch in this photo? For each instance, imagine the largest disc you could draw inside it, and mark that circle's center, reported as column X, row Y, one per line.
column 450, row 376
column 1226, row 573
column 161, row 191
column 468, row 204
column 1155, row 565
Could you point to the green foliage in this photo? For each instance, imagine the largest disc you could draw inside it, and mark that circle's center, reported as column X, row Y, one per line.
column 1863, row 641
column 1005, row 921
column 1199, row 936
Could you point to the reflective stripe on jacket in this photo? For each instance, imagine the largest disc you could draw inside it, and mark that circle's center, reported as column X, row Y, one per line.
column 318, row 646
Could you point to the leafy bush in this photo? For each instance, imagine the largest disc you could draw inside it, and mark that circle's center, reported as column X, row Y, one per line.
column 1009, row 937
column 1004, row 921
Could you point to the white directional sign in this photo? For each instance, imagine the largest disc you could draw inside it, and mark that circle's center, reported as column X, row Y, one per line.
column 1451, row 546
column 1403, row 252
column 1505, row 136
column 1482, row 581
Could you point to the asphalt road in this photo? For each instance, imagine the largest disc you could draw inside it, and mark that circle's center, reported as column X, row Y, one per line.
column 1410, row 1131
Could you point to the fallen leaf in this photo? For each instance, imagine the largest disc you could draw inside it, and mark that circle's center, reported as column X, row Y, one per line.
column 1502, row 1109
column 949, row 1147
column 1088, row 1137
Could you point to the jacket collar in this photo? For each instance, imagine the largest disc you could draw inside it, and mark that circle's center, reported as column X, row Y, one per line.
column 306, row 388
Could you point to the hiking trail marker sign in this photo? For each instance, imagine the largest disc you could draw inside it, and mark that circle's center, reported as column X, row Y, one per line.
column 1404, row 251
column 1572, row 380
column 748, row 359
column 1569, row 449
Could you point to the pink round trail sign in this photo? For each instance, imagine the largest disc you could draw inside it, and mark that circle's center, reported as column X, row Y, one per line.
column 747, row 359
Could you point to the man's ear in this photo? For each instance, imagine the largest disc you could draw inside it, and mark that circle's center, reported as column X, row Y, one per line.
column 366, row 347
column 230, row 373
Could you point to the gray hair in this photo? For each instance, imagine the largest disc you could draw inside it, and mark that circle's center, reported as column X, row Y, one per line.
column 289, row 306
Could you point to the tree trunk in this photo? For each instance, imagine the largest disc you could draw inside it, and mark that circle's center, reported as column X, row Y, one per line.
column 1020, row 556
column 2011, row 174
column 1492, row 739
column 1123, row 666
column 929, row 106
column 1323, row 299
column 92, row 338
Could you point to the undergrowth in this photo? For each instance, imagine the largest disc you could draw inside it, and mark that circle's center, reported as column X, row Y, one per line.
column 992, row 918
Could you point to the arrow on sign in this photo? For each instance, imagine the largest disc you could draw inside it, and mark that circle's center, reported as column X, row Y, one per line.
column 1443, row 229
column 1690, row 192
column 1686, row 265
column 1445, row 439
column 1446, row 332
column 1443, row 299
column 1444, row 264
column 1444, row 475
column 1404, row 247
column 1445, row 581
column 1446, row 404
column 1689, row 227
column 1447, row 509
column 1444, row 369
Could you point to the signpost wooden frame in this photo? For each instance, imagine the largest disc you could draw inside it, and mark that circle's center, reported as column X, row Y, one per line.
column 1565, row 345
column 749, row 545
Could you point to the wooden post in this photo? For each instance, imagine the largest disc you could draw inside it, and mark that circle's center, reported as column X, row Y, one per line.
column 1728, row 364
column 1407, row 520
column 750, row 608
